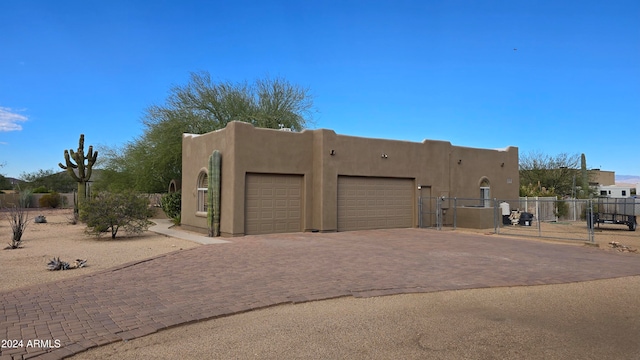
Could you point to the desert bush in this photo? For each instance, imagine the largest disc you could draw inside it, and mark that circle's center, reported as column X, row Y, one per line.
column 52, row 200
column 562, row 209
column 18, row 218
column 110, row 211
column 25, row 198
column 40, row 190
column 171, row 204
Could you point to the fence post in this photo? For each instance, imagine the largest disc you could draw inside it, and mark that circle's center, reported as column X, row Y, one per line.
column 590, row 222
column 500, row 217
column 439, row 214
column 455, row 213
column 420, row 212
column 538, row 215
column 495, row 215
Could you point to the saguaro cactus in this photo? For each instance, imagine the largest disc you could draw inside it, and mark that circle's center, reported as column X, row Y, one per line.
column 213, row 194
column 584, row 175
column 79, row 171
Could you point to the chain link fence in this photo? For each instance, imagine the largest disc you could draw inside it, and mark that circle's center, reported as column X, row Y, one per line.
column 545, row 217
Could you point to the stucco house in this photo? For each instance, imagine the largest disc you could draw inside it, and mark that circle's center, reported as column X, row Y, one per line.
column 276, row 181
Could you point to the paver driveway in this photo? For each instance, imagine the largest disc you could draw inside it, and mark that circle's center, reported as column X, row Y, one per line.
column 257, row 271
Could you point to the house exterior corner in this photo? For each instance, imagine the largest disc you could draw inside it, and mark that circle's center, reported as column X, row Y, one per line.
column 276, row 181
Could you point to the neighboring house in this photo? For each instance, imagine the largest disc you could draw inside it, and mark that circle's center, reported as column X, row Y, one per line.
column 599, row 177
column 614, row 191
column 276, row 181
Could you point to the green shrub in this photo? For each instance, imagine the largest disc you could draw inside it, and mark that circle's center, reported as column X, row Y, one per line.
column 40, row 190
column 110, row 211
column 562, row 209
column 52, row 200
column 171, row 204
column 25, row 198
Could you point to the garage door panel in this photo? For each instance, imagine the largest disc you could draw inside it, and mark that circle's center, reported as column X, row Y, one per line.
column 273, row 203
column 374, row 203
column 265, row 229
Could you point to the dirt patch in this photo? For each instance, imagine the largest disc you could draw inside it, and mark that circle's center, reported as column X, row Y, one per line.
column 58, row 238
column 569, row 232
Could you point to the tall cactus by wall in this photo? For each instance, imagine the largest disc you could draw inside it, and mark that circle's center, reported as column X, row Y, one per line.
column 213, row 194
column 79, row 171
column 584, row 175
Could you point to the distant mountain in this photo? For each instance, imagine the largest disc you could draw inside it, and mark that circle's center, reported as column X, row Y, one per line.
column 14, row 181
column 627, row 179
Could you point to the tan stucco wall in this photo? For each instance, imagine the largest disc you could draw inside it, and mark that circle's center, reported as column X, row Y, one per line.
column 246, row 149
column 475, row 218
column 602, row 177
column 13, row 199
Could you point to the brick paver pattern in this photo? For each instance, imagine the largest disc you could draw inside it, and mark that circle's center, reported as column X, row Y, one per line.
column 253, row 272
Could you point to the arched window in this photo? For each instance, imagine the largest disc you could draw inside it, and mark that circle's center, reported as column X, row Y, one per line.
column 485, row 193
column 203, row 186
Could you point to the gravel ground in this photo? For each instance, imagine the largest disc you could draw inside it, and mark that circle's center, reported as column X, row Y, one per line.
column 589, row 320
column 58, row 238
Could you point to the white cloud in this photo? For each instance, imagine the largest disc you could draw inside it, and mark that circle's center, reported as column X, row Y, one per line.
column 10, row 120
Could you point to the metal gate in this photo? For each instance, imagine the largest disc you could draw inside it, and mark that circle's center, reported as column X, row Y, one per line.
column 550, row 217
column 429, row 212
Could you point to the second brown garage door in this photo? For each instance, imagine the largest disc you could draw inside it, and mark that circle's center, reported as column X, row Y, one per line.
column 374, row 203
column 273, row 203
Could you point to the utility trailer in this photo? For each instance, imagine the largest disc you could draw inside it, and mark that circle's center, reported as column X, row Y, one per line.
column 621, row 211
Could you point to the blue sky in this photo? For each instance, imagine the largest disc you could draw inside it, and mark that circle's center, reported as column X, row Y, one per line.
column 406, row 70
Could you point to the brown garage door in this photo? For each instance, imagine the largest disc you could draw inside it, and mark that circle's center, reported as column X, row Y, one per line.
column 273, row 203
column 374, row 203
